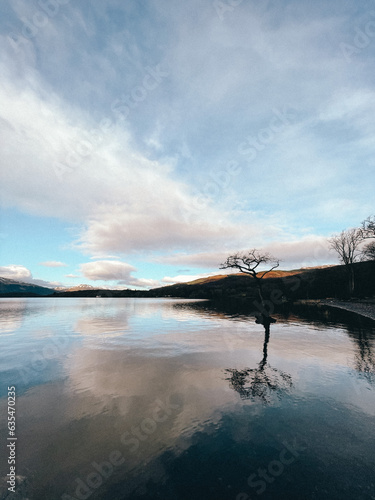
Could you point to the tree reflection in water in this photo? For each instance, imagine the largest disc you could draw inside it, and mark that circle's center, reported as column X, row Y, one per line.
column 260, row 383
column 364, row 360
column 360, row 330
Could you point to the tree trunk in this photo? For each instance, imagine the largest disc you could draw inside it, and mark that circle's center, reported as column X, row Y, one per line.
column 351, row 280
column 259, row 285
column 263, row 363
column 352, row 283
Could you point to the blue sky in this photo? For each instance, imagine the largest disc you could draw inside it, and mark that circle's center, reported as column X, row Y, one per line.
column 142, row 142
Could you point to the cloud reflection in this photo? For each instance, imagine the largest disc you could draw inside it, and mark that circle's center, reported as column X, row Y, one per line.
column 12, row 315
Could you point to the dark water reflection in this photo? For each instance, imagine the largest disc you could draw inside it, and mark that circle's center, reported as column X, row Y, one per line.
column 145, row 399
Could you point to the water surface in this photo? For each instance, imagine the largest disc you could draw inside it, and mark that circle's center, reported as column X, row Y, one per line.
column 174, row 399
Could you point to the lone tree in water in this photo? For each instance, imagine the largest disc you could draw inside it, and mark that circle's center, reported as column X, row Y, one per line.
column 347, row 244
column 249, row 262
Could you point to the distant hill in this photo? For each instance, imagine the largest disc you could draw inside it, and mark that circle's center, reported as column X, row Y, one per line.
column 13, row 287
column 76, row 288
column 101, row 292
column 278, row 286
column 272, row 274
column 307, row 283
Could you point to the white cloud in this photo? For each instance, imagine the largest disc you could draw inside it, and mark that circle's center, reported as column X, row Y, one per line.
column 308, row 251
column 166, row 224
column 349, row 106
column 141, row 283
column 127, row 201
column 203, row 259
column 107, row 270
column 15, row 272
column 53, row 263
column 21, row 273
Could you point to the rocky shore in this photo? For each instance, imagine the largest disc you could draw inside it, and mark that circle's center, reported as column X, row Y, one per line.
column 364, row 307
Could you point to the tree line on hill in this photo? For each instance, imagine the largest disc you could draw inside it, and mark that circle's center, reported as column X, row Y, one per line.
column 352, row 246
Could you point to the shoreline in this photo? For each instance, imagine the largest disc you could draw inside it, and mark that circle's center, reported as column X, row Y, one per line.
column 364, row 308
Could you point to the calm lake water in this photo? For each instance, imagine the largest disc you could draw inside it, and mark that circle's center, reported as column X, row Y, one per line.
column 171, row 399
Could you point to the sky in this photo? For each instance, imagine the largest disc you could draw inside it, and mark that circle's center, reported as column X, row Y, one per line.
column 142, row 142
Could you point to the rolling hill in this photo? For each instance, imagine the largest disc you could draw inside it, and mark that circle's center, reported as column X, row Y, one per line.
column 306, row 283
column 12, row 287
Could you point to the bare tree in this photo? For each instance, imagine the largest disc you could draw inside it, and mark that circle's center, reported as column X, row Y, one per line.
column 249, row 263
column 347, row 245
column 368, row 251
column 368, row 227
column 368, row 232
